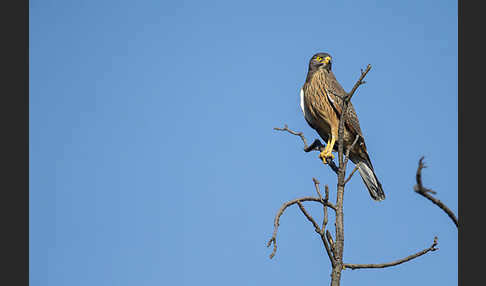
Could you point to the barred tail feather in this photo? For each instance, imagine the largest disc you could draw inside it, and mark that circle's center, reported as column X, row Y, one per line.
column 371, row 181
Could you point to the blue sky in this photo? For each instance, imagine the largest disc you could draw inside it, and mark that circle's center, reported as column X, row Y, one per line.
column 152, row 155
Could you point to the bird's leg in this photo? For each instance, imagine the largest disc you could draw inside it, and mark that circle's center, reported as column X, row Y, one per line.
column 327, row 152
column 323, row 152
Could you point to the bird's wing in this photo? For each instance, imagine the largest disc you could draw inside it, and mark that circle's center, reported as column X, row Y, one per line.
column 335, row 92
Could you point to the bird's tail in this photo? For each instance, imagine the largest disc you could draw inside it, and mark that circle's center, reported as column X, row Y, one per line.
column 369, row 178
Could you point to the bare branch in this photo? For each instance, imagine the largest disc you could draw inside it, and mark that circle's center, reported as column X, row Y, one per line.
column 351, row 175
column 316, row 184
column 326, row 199
column 300, row 134
column 327, row 192
column 420, row 189
column 358, row 83
column 321, row 232
column 329, row 249
column 335, row 247
column 309, row 217
column 331, row 242
column 327, row 244
column 389, row 264
column 315, row 146
column 339, row 223
column 418, row 176
column 276, row 223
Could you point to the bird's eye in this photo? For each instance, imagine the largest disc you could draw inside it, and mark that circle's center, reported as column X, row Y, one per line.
column 318, row 58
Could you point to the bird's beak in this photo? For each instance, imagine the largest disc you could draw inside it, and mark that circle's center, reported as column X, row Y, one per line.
column 326, row 60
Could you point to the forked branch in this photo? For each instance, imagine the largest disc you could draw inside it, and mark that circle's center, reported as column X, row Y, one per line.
column 282, row 209
column 334, row 248
column 420, row 189
column 318, row 230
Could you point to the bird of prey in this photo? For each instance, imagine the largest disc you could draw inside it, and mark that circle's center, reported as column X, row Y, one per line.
column 320, row 101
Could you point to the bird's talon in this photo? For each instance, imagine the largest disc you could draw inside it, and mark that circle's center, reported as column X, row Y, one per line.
column 324, row 155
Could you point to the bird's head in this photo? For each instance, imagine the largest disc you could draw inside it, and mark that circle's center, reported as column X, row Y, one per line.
column 320, row 61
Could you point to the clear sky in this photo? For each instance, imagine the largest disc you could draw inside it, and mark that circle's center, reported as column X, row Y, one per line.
column 152, row 155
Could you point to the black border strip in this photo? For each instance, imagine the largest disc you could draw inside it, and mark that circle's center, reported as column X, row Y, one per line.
column 14, row 210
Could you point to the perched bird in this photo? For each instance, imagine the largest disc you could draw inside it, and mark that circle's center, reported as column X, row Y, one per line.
column 320, row 101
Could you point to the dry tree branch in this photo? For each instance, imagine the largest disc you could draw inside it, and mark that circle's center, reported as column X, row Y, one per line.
column 328, row 243
column 300, row 134
column 309, row 217
column 420, row 189
column 331, row 242
column 334, row 248
column 358, row 83
column 344, row 109
column 276, row 223
column 320, row 231
column 315, row 146
column 351, row 175
column 339, row 245
column 325, row 200
column 329, row 249
column 316, row 184
column 339, row 223
column 393, row 263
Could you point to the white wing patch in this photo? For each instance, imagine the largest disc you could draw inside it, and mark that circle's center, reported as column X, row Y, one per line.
column 329, row 96
column 303, row 107
column 302, row 101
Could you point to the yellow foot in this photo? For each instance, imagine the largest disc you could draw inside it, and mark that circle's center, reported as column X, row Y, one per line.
column 324, row 155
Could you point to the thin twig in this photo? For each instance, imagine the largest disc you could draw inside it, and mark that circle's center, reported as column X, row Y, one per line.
column 351, row 175
column 389, row 264
column 315, row 146
column 420, row 189
column 300, row 134
column 418, row 176
column 319, row 231
column 316, row 184
column 358, row 83
column 309, row 217
column 329, row 245
column 325, row 200
column 276, row 223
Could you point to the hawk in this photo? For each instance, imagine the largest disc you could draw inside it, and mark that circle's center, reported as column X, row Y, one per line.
column 320, row 101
